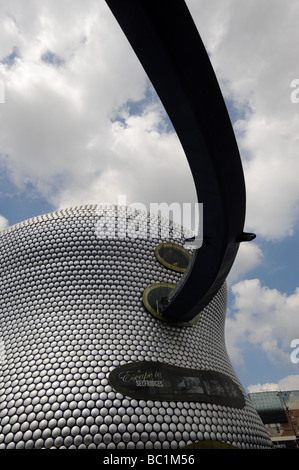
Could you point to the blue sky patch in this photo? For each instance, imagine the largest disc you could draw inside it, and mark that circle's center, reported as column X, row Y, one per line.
column 10, row 59
column 50, row 58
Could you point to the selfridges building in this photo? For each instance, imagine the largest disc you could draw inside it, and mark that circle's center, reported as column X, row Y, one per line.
column 86, row 362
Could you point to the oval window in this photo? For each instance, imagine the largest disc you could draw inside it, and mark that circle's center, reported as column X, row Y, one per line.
column 156, row 297
column 173, row 256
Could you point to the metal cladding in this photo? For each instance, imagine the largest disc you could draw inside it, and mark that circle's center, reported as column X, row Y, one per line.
column 71, row 312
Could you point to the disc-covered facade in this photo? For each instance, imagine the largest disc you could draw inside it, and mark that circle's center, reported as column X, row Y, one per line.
column 85, row 364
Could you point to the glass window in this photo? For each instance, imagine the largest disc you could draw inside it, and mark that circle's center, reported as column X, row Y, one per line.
column 173, row 256
column 156, row 297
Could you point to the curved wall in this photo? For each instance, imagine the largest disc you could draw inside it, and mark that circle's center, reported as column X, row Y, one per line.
column 71, row 311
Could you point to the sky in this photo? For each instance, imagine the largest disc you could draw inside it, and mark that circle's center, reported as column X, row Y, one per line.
column 81, row 124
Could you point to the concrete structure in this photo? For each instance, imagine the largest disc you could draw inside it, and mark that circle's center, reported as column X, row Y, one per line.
column 279, row 412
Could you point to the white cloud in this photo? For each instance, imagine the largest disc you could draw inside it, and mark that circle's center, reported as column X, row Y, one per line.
column 56, row 125
column 264, row 318
column 252, row 49
column 3, row 222
column 271, row 175
column 249, row 257
column 59, row 127
column 67, row 130
column 291, row 382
